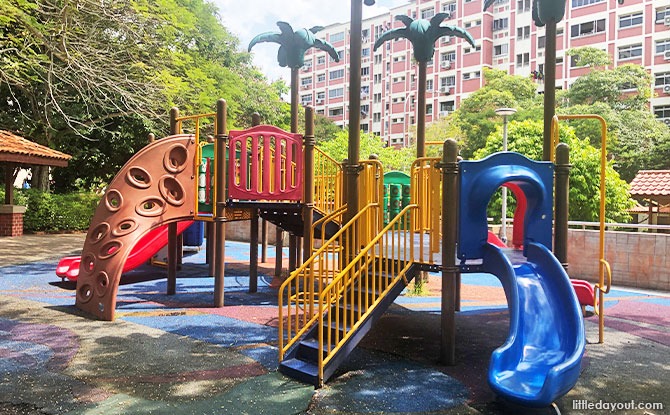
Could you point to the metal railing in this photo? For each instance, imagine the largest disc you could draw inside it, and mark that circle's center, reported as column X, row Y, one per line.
column 350, row 298
column 426, row 191
column 328, row 180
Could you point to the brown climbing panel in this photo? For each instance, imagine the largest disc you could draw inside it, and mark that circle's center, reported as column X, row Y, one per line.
column 155, row 187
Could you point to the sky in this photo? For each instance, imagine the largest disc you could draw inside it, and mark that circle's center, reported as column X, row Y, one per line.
column 248, row 18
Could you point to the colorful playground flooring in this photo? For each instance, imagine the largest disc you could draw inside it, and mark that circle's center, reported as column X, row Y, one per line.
column 179, row 355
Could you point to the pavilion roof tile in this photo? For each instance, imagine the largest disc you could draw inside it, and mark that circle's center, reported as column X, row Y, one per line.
column 651, row 183
column 21, row 150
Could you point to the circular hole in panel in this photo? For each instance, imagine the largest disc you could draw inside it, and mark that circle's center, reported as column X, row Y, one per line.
column 125, row 227
column 99, row 232
column 101, row 307
column 89, row 262
column 175, row 159
column 101, row 283
column 113, row 200
column 138, row 177
column 151, row 206
column 171, row 190
column 85, row 293
column 110, row 249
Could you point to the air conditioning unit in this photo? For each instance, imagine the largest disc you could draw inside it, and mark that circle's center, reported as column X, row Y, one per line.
column 666, row 89
column 446, row 90
column 305, row 87
column 443, row 113
column 666, row 21
column 667, row 121
column 446, row 39
column 319, row 101
column 667, row 55
column 445, row 65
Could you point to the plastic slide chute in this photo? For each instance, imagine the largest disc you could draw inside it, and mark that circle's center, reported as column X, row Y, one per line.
column 142, row 252
column 540, row 361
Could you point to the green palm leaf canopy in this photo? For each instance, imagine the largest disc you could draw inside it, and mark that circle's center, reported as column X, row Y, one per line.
column 544, row 11
column 423, row 34
column 293, row 45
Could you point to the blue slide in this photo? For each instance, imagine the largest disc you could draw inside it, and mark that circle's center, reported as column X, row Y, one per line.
column 541, row 359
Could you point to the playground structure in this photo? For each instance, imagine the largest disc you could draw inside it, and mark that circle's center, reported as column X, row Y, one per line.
column 357, row 269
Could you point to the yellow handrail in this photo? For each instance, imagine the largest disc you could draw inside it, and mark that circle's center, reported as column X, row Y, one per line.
column 603, row 265
column 328, row 180
column 358, row 289
column 426, row 188
column 301, row 289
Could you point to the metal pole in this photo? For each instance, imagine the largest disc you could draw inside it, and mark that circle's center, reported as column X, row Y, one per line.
column 549, row 87
column 172, row 255
column 220, row 207
column 562, row 190
column 352, row 168
column 503, row 219
column 253, row 233
column 421, row 113
column 308, row 199
column 450, row 272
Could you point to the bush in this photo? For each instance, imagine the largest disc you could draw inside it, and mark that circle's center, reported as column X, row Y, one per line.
column 48, row 212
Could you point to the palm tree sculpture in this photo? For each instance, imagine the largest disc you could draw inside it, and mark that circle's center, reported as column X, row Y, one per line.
column 293, row 46
column 549, row 13
column 423, row 34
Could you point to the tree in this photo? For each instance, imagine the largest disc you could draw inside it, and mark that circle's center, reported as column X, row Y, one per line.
column 476, row 116
column 525, row 137
column 76, row 73
column 423, row 34
column 392, row 159
column 626, row 87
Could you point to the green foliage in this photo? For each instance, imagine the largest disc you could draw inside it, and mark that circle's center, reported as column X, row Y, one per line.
column 525, row 137
column 607, row 85
column 476, row 116
column 48, row 212
column 391, row 158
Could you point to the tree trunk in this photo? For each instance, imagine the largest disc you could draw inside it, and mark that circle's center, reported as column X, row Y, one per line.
column 40, row 179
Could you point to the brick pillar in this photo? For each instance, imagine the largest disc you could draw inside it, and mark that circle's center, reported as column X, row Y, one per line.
column 11, row 220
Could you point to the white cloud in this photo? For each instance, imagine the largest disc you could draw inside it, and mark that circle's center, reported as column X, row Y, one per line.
column 248, row 18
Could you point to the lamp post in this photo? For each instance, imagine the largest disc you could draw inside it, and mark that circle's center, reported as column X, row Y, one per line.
column 504, row 112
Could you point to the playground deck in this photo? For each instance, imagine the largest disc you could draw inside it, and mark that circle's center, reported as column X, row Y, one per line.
column 180, row 355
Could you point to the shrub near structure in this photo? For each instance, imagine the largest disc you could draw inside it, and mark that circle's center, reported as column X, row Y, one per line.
column 49, row 212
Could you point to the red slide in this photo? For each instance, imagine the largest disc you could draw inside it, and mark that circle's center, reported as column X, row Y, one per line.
column 147, row 247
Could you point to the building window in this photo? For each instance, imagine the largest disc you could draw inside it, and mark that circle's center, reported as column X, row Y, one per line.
column 662, row 111
column 336, row 93
column 448, row 56
column 662, row 78
column 448, row 81
column 306, row 82
column 365, row 52
column 661, row 14
column 336, row 37
column 629, row 20
column 378, row 59
column 377, row 78
column 449, row 8
column 398, row 120
column 662, row 46
column 320, row 96
column 377, row 98
column 500, row 50
column 579, row 3
column 399, row 79
column 428, row 13
column 306, row 99
column 447, row 106
column 337, row 74
column 320, row 60
column 522, row 32
column 473, row 23
column 429, row 109
column 336, row 112
column 377, row 117
column 469, row 49
column 500, row 24
column 523, row 6
column 399, row 58
column 429, row 85
column 541, row 42
column 365, row 91
column 365, row 71
column 321, row 77
column 587, row 28
column 630, row 51
column 523, row 59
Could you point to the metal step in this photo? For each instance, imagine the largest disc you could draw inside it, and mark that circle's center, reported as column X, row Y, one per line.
column 301, row 370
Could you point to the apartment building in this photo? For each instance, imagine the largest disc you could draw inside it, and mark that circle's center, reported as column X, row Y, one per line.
column 505, row 37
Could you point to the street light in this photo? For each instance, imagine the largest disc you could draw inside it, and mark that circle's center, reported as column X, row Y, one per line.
column 504, row 112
